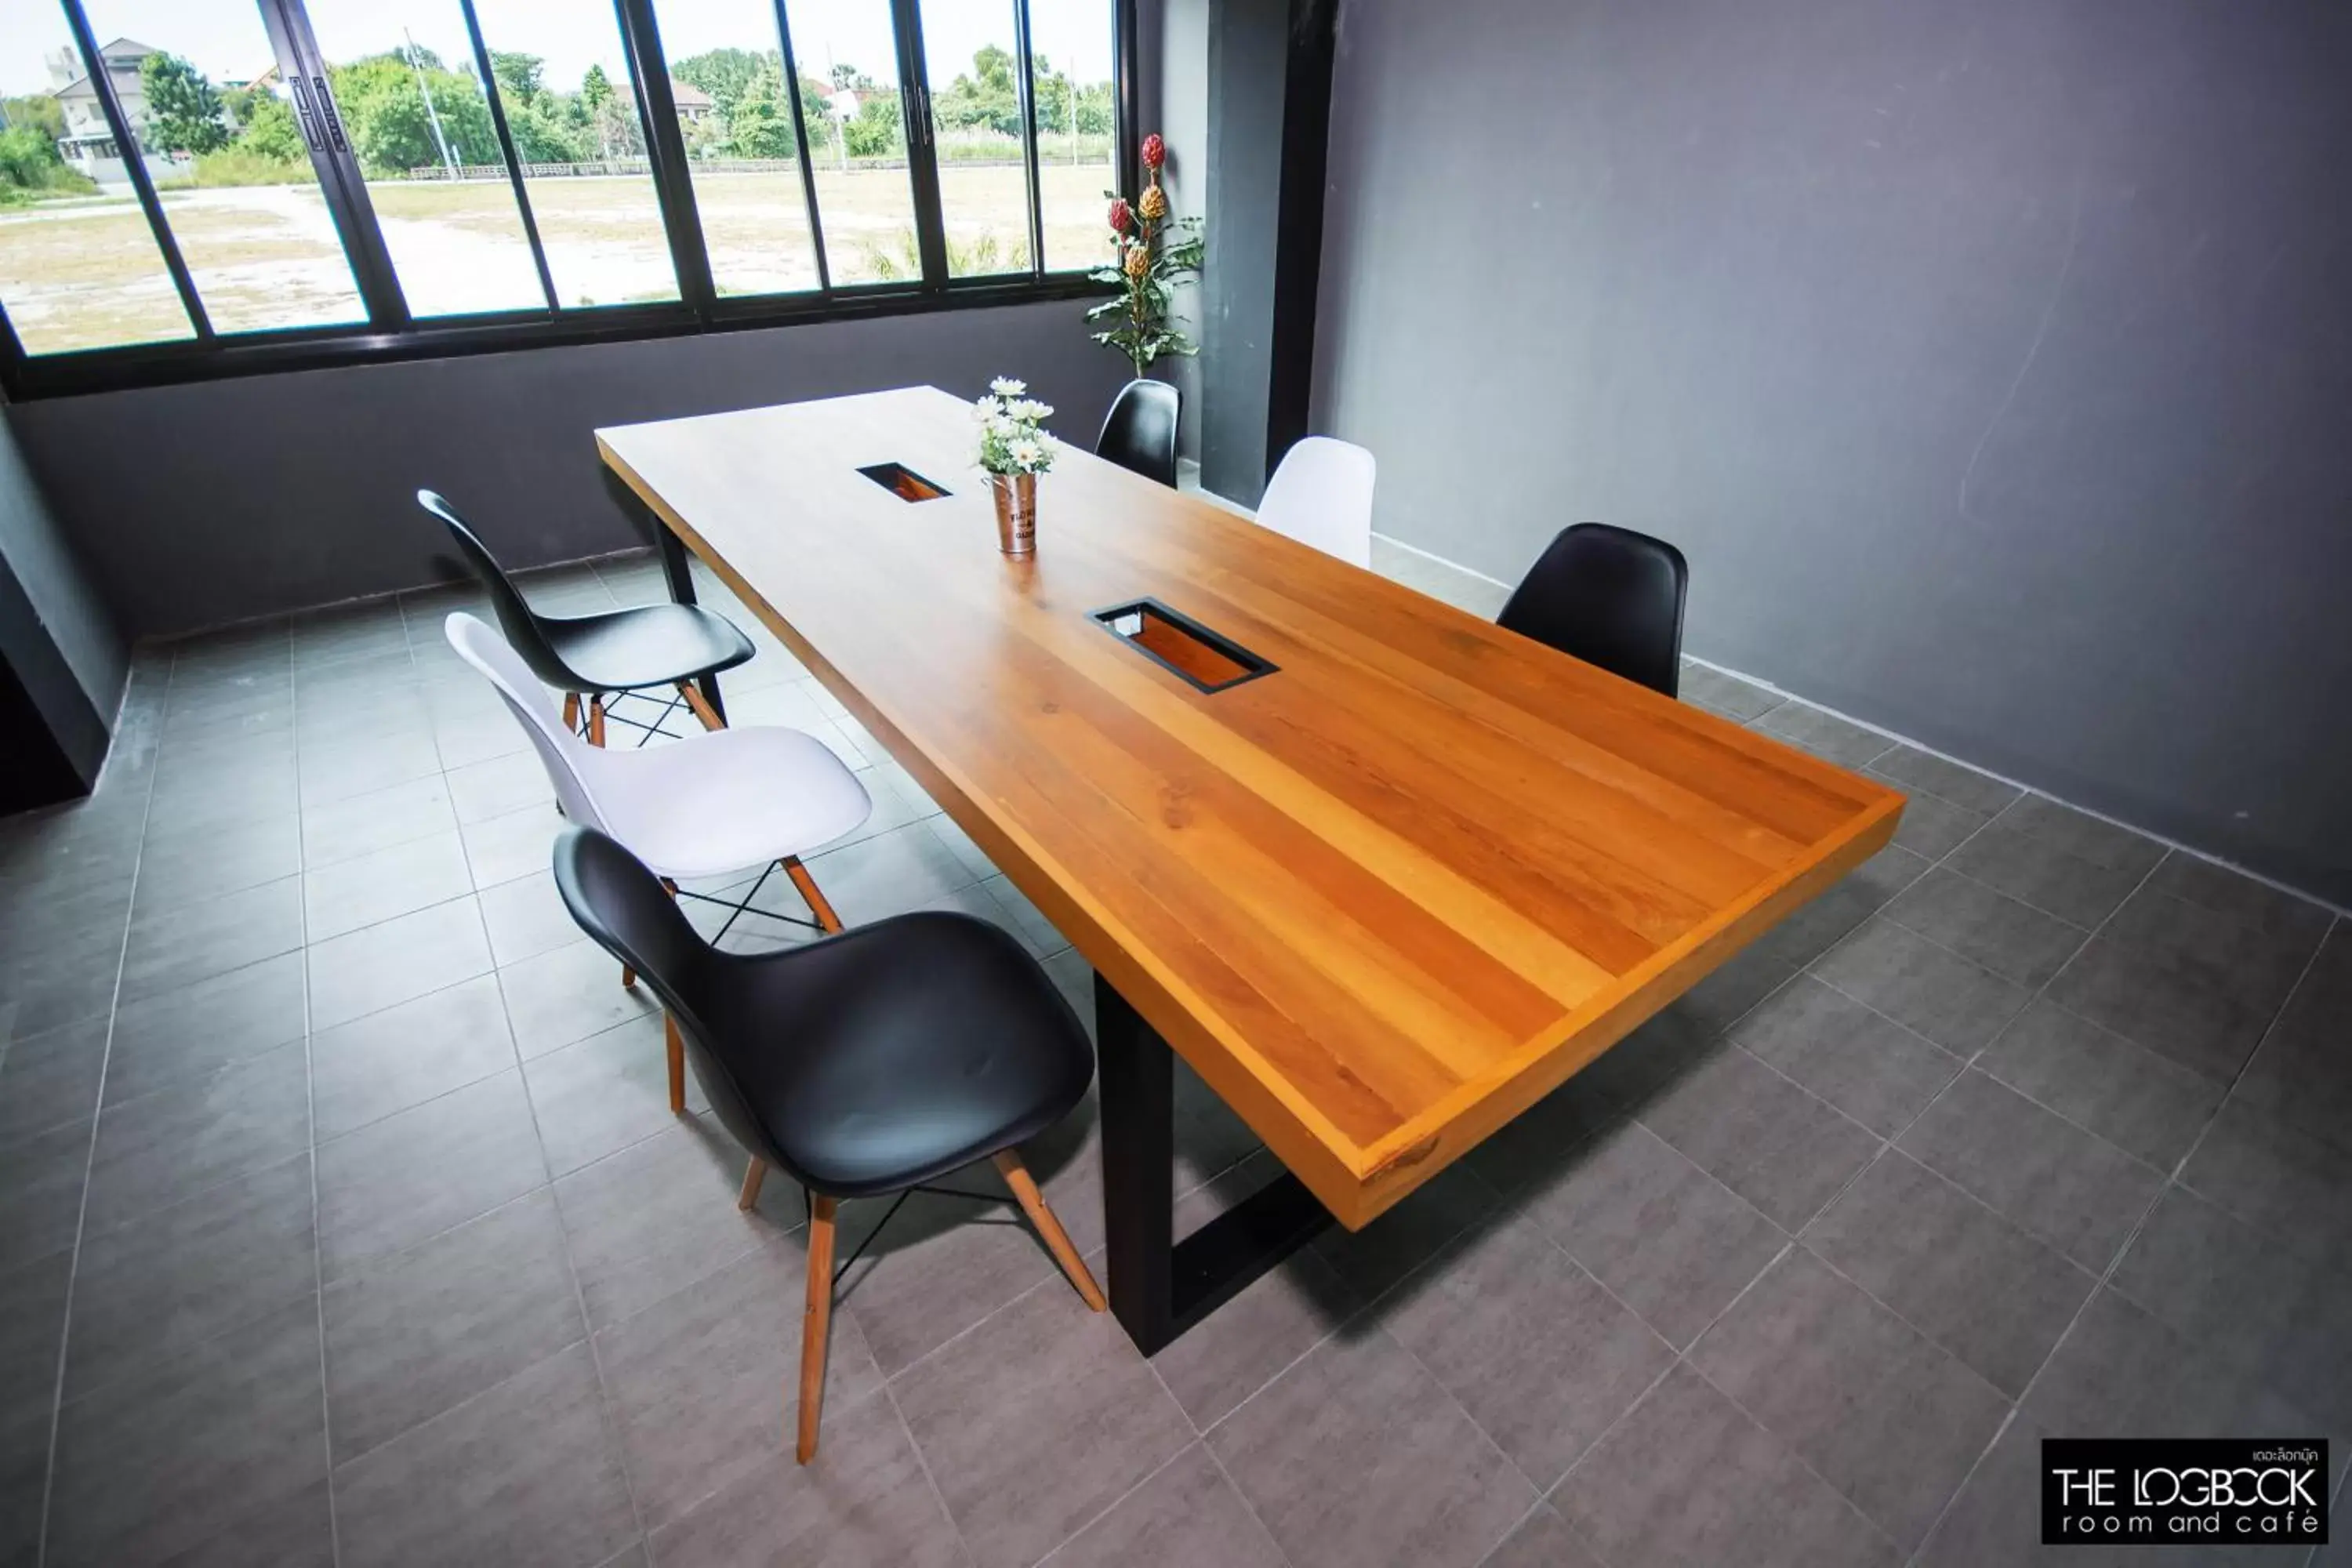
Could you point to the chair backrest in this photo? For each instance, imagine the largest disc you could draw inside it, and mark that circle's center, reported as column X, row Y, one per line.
column 572, row 765
column 515, row 615
column 1140, row 433
column 1322, row 496
column 1609, row 597
column 625, row 910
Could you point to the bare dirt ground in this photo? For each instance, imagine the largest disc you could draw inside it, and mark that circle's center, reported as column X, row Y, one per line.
column 88, row 274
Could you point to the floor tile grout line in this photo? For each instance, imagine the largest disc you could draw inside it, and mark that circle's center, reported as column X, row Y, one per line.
column 310, row 1116
column 2131, row 1237
column 1877, row 1156
column 89, row 1165
column 923, row 1462
column 1250, row 1508
column 610, row 1423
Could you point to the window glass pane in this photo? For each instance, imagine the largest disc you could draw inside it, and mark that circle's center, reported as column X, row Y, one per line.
column 847, row 52
column 1071, row 46
column 413, row 107
column 199, row 83
column 968, row 49
column 727, row 72
column 591, row 190
column 78, row 266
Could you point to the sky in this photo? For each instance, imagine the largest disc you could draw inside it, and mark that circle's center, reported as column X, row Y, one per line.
column 227, row 40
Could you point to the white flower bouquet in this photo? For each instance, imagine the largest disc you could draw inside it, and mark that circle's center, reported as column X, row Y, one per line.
column 1013, row 439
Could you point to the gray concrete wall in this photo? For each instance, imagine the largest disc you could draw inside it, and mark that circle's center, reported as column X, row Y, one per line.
column 1992, row 360
column 1248, row 53
column 1175, row 103
column 199, row 505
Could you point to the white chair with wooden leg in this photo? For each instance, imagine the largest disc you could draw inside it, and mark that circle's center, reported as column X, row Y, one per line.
column 831, row 1064
column 728, row 800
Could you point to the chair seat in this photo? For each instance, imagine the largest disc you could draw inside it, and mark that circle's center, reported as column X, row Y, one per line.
column 652, row 645
column 730, row 799
column 896, row 1052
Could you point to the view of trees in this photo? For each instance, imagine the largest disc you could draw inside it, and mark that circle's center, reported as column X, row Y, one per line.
column 28, row 149
column 410, row 109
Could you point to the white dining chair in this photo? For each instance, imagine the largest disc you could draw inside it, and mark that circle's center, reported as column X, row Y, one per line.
column 1322, row 495
column 725, row 800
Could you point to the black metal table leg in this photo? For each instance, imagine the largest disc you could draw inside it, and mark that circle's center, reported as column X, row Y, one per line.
column 676, row 572
column 1160, row 1286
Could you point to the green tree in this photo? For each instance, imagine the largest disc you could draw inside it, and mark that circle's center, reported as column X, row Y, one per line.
column 40, row 111
column 26, row 156
column 183, row 111
column 761, row 123
column 383, row 107
column 988, row 98
column 270, row 132
column 875, row 130
column 544, row 133
column 521, row 77
column 726, row 75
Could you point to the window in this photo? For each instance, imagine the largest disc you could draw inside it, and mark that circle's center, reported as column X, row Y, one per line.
column 314, row 182
column 740, row 106
column 862, row 177
column 404, row 76
column 1073, row 53
column 79, row 268
column 979, row 116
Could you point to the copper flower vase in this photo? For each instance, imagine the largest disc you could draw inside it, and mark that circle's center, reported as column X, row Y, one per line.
column 1016, row 513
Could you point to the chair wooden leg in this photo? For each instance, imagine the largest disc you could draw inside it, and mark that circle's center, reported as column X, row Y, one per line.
column 808, row 889
column 571, row 710
column 752, row 1177
column 701, row 705
column 628, row 978
column 677, row 1049
column 814, row 1321
column 595, row 721
column 1057, row 1240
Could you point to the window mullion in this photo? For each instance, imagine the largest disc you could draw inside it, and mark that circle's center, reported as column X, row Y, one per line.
column 134, row 162
column 1027, row 51
column 922, row 152
column 1127, row 135
column 800, row 140
column 665, row 151
column 495, row 101
column 335, row 163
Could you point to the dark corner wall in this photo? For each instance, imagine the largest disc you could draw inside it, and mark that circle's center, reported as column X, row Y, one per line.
column 199, row 505
column 63, row 661
column 1992, row 360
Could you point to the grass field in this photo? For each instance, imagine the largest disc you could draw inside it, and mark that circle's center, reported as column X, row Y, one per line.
column 86, row 274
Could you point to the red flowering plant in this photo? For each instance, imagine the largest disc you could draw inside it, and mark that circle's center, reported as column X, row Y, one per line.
column 1151, row 253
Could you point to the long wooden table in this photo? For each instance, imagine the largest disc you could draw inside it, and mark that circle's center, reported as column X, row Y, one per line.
column 1382, row 899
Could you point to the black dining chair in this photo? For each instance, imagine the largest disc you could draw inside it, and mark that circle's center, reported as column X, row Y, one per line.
column 1609, row 597
column 1140, row 433
column 629, row 652
column 862, row 1064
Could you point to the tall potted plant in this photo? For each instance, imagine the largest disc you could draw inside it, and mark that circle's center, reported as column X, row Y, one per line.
column 1151, row 253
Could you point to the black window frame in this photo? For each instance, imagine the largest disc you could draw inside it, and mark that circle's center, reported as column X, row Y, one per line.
column 392, row 333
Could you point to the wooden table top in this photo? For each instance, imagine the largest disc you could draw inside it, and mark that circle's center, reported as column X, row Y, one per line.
column 1382, row 900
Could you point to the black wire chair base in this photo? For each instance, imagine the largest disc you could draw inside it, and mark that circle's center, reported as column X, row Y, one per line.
column 647, row 731
column 887, row 1215
column 743, row 905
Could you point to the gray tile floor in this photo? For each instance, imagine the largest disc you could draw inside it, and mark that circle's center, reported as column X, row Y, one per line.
column 342, row 1219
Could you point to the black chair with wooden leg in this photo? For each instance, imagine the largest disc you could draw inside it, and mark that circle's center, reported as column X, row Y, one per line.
column 1609, row 597
column 1140, row 433
column 664, row 648
column 862, row 1064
